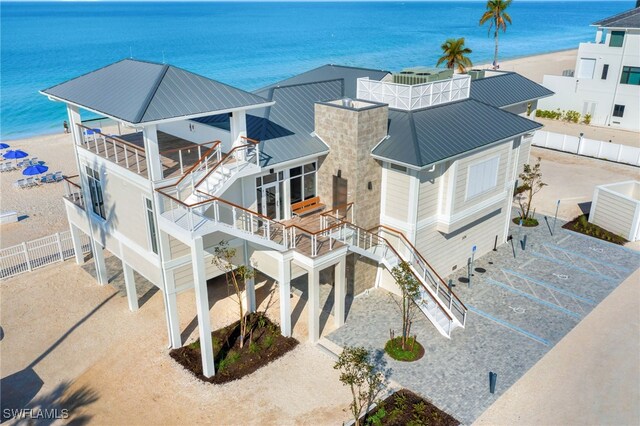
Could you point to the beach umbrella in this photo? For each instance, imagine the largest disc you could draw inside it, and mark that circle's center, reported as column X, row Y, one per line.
column 34, row 170
column 3, row 145
column 11, row 154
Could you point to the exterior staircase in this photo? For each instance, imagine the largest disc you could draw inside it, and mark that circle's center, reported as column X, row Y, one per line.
column 439, row 304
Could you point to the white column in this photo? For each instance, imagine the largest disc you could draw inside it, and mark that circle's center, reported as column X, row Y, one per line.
column 152, row 152
column 77, row 244
column 314, row 305
column 169, row 293
column 98, row 260
column 284, row 284
column 250, row 285
column 238, row 127
column 340, row 292
column 202, row 306
column 130, row 286
column 73, row 112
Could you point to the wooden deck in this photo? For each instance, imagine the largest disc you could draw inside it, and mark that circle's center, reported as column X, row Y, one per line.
column 171, row 148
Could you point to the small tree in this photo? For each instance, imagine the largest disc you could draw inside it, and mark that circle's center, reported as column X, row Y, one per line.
column 409, row 291
column 359, row 373
column 531, row 178
column 236, row 277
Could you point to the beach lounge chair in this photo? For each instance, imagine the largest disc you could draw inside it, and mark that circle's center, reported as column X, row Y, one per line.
column 58, row 176
column 21, row 183
column 48, row 178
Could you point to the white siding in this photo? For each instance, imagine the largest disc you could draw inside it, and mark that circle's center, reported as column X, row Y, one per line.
column 397, row 194
column 613, row 213
column 429, row 193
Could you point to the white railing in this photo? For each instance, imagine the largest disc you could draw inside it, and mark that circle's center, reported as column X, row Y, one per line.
column 188, row 156
column 114, row 149
column 383, row 251
column 73, row 190
column 213, row 170
column 588, row 147
column 35, row 254
column 411, row 97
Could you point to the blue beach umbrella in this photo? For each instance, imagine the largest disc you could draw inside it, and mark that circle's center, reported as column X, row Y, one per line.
column 34, row 170
column 11, row 154
column 3, row 145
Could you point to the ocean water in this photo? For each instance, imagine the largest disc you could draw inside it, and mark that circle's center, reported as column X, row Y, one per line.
column 250, row 45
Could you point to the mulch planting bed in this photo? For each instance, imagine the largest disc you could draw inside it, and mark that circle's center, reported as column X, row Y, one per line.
column 406, row 408
column 581, row 224
column 263, row 345
column 529, row 223
column 413, row 349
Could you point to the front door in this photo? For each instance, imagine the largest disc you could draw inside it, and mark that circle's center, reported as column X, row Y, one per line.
column 270, row 202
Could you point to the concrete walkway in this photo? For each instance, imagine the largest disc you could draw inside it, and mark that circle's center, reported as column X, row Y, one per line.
column 591, row 377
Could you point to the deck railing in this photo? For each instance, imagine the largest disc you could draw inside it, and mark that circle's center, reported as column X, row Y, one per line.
column 187, row 157
column 428, row 274
column 73, row 190
column 114, row 149
column 344, row 212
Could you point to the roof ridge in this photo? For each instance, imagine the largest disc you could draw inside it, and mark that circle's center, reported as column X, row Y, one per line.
column 414, row 135
column 152, row 93
column 286, row 86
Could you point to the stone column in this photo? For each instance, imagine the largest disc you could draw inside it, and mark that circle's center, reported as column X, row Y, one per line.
column 202, row 307
column 130, row 286
column 314, row 305
column 340, row 292
column 284, row 284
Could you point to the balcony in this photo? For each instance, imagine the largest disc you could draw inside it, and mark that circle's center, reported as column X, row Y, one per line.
column 127, row 150
column 73, row 190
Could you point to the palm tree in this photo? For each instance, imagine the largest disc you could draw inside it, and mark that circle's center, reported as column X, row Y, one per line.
column 498, row 19
column 454, row 54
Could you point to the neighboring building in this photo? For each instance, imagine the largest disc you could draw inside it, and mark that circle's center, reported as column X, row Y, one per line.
column 420, row 173
column 606, row 80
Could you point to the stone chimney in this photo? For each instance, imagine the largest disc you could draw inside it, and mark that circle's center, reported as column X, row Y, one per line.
column 349, row 173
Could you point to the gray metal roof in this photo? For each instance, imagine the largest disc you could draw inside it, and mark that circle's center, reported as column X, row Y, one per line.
column 284, row 129
column 506, row 89
column 628, row 19
column 427, row 136
column 350, row 76
column 139, row 92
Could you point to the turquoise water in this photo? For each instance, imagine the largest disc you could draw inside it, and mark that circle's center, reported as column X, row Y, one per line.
column 253, row 44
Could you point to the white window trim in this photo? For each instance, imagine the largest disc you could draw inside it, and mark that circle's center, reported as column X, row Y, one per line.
column 146, row 214
column 488, row 190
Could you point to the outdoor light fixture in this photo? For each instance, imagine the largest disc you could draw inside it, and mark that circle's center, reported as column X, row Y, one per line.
column 339, row 174
column 370, row 186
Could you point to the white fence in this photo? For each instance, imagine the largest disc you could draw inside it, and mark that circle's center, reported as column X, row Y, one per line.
column 34, row 254
column 588, row 147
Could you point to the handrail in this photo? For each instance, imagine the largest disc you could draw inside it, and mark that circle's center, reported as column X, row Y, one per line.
column 195, row 145
column 200, row 160
column 68, row 179
column 222, row 160
column 388, row 244
column 115, row 138
column 417, row 253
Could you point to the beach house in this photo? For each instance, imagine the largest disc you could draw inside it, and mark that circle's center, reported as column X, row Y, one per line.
column 337, row 174
column 606, row 80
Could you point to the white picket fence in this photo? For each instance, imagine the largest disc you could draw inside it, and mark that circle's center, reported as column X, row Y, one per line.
column 35, row 254
column 588, row 147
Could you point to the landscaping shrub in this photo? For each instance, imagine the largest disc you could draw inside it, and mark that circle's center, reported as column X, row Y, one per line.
column 586, row 119
column 582, row 225
column 406, row 408
column 571, row 116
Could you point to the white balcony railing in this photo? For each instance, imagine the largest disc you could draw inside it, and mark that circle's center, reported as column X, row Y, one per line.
column 411, row 97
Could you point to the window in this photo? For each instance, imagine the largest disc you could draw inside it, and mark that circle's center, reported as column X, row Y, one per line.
column 398, row 168
column 302, row 182
column 482, row 177
column 605, row 71
column 630, row 75
column 151, row 225
column 586, row 68
column 617, row 37
column 618, row 110
column 95, row 190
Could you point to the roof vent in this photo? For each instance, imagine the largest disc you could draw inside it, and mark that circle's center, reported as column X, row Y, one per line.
column 347, row 103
